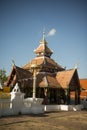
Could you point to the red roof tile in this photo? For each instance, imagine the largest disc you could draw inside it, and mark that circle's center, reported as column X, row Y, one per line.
column 83, row 83
column 83, row 94
column 43, row 48
column 47, row 80
column 38, row 61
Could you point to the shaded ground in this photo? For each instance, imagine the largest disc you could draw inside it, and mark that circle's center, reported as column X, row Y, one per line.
column 48, row 121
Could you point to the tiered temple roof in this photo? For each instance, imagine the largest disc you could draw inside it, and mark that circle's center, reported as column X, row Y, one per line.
column 43, row 59
column 49, row 73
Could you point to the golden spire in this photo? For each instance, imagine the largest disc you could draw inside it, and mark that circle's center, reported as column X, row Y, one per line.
column 43, row 41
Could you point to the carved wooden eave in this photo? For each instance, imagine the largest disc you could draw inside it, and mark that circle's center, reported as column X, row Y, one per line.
column 44, row 61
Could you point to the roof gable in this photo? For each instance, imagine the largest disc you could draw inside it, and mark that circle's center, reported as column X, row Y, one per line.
column 64, row 77
column 22, row 73
column 16, row 74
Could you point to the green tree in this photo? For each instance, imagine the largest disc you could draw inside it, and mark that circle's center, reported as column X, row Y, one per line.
column 3, row 76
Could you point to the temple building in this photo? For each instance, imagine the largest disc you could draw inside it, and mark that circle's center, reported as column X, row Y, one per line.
column 53, row 82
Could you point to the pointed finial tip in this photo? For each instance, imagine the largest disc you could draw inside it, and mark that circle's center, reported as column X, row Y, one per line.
column 13, row 62
column 44, row 34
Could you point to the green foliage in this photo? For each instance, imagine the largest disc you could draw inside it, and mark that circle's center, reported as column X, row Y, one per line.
column 3, row 76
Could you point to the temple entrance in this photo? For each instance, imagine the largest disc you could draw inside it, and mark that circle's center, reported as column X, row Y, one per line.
column 53, row 96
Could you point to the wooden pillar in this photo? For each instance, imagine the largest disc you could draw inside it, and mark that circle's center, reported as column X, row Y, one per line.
column 45, row 92
column 42, row 93
column 51, row 96
column 39, row 92
column 76, row 97
column 57, row 96
column 79, row 97
column 68, row 96
column 59, row 100
column 46, row 96
column 67, row 93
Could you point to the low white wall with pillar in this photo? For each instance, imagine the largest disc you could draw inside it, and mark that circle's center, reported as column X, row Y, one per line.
column 48, row 108
column 18, row 105
column 84, row 102
column 32, row 105
column 37, row 106
column 5, row 109
column 25, row 106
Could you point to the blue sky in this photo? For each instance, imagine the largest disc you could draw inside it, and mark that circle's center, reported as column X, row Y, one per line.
column 21, row 29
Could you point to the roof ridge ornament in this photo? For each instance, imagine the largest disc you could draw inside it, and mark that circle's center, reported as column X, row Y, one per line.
column 76, row 65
